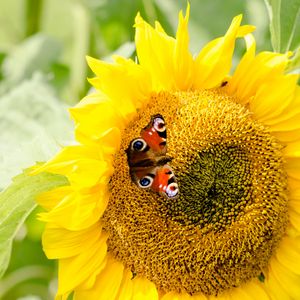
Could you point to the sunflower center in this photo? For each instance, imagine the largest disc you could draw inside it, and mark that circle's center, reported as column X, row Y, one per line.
column 214, row 189
column 231, row 210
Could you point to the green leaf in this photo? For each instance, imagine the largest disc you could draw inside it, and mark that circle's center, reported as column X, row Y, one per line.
column 38, row 52
column 284, row 24
column 33, row 125
column 61, row 74
column 16, row 203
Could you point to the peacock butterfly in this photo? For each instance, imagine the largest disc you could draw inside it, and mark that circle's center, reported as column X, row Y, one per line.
column 148, row 162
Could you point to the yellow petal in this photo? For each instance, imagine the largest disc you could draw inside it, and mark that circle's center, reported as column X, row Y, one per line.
column 293, row 183
column 255, row 71
column 292, row 167
column 155, row 50
column 90, row 281
column 274, row 289
column 289, row 93
column 78, row 210
column 140, row 79
column 254, row 290
column 50, row 199
column 287, row 136
column 126, row 287
column 74, row 270
column 287, row 280
column 96, row 119
column 291, row 231
column 107, row 284
column 132, row 81
column 183, row 60
column 199, row 297
column 168, row 60
column 238, row 293
column 62, row 243
column 172, row 296
column 292, row 149
column 295, row 205
column 272, row 97
column 294, row 218
column 214, row 60
column 295, row 194
column 83, row 166
column 288, row 254
column 243, row 67
column 287, row 125
column 294, row 200
column 143, row 289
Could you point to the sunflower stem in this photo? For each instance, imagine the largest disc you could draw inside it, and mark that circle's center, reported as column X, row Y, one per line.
column 33, row 9
column 81, row 29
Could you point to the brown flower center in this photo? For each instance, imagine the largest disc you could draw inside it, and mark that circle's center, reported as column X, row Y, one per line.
column 232, row 208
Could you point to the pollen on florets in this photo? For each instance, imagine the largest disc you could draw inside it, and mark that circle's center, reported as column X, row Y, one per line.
column 232, row 208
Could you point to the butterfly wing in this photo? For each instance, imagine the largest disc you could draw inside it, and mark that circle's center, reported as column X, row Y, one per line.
column 165, row 183
column 155, row 135
column 151, row 147
column 160, row 179
column 139, row 154
column 147, row 159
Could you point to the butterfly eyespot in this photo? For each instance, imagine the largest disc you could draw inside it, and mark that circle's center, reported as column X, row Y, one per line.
column 172, row 190
column 145, row 182
column 138, row 145
column 159, row 124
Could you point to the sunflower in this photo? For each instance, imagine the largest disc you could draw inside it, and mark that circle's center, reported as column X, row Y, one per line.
column 233, row 145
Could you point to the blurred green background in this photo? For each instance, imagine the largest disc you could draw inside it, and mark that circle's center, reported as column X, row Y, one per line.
column 43, row 44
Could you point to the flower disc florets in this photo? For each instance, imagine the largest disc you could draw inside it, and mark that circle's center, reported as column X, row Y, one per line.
column 232, row 209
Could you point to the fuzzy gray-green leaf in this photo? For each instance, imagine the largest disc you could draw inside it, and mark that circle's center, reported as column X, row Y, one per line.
column 33, row 125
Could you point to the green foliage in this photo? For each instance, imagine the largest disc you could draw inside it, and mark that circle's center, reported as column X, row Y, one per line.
column 16, row 203
column 36, row 53
column 29, row 271
column 284, row 24
column 33, row 122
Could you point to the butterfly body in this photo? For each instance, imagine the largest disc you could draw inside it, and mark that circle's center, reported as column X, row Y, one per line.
column 148, row 162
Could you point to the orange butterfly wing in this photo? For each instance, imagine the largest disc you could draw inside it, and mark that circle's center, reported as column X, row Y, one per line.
column 165, row 182
column 147, row 159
